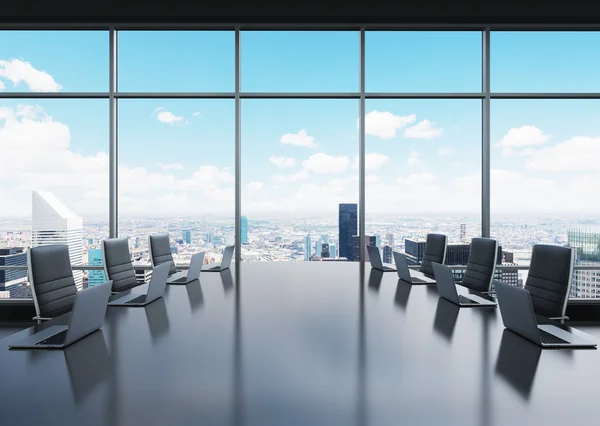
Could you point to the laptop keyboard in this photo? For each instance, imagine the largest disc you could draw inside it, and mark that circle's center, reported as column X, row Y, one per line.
column 417, row 280
column 57, row 339
column 463, row 299
column 550, row 338
column 179, row 280
column 139, row 299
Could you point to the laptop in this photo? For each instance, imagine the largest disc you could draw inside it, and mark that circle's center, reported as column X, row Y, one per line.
column 410, row 275
column 376, row 262
column 156, row 289
column 447, row 289
column 192, row 274
column 518, row 316
column 87, row 316
column 225, row 263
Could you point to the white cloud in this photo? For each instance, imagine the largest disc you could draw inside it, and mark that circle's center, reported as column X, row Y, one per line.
column 445, row 151
column 294, row 177
column 2, row 86
column 417, row 179
column 423, row 130
column 255, row 186
column 576, row 154
column 17, row 71
column 458, row 164
column 384, row 124
column 47, row 161
column 414, row 158
column 373, row 161
column 169, row 118
column 521, row 137
column 323, row 163
column 299, row 139
column 282, row 162
column 197, row 113
column 173, row 166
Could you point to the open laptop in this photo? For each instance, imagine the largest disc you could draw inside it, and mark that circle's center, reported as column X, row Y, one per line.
column 156, row 289
column 87, row 316
column 193, row 273
column 225, row 263
column 375, row 259
column 410, row 275
column 447, row 289
column 518, row 316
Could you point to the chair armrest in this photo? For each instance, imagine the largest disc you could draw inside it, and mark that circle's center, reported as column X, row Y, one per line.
column 564, row 317
column 41, row 318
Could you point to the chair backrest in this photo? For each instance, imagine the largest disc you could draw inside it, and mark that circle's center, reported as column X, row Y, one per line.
column 117, row 264
column 481, row 264
column 549, row 279
column 435, row 251
column 51, row 278
column 160, row 251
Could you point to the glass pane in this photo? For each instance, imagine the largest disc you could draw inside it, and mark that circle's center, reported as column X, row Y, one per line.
column 545, row 184
column 54, row 61
column 542, row 61
column 423, row 61
column 299, row 165
column 423, row 174
column 54, row 182
column 176, row 175
column 176, row 61
column 300, row 61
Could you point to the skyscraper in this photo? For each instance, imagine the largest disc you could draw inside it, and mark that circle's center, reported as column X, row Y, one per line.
column 318, row 248
column 332, row 250
column 210, row 233
column 324, row 250
column 463, row 232
column 244, row 230
column 378, row 241
column 53, row 222
column 95, row 277
column 387, row 254
column 369, row 240
column 186, row 235
column 348, row 227
column 307, row 248
column 586, row 243
column 390, row 238
column 10, row 280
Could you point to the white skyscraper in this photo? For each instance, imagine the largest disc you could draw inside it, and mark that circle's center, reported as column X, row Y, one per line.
column 55, row 223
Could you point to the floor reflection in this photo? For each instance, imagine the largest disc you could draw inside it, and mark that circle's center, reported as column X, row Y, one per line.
column 446, row 314
column 89, row 364
column 195, row 295
column 375, row 277
column 158, row 319
column 517, row 362
column 227, row 280
column 402, row 293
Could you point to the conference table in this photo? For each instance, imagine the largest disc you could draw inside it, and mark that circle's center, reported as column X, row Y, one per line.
column 298, row 343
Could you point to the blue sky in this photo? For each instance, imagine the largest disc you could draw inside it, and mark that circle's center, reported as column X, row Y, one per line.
column 298, row 156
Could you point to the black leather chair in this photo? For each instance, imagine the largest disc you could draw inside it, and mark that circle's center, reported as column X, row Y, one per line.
column 435, row 251
column 481, row 265
column 117, row 264
column 160, row 251
column 51, row 278
column 549, row 280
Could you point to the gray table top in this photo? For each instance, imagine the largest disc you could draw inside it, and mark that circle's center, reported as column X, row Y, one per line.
column 308, row 343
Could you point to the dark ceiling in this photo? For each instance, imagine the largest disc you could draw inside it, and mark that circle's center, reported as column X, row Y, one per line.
column 295, row 11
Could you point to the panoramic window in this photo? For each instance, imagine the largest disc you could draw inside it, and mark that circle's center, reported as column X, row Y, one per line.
column 300, row 61
column 176, row 61
column 299, row 164
column 176, row 175
column 423, row 171
column 423, row 61
column 560, row 61
column 545, row 180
